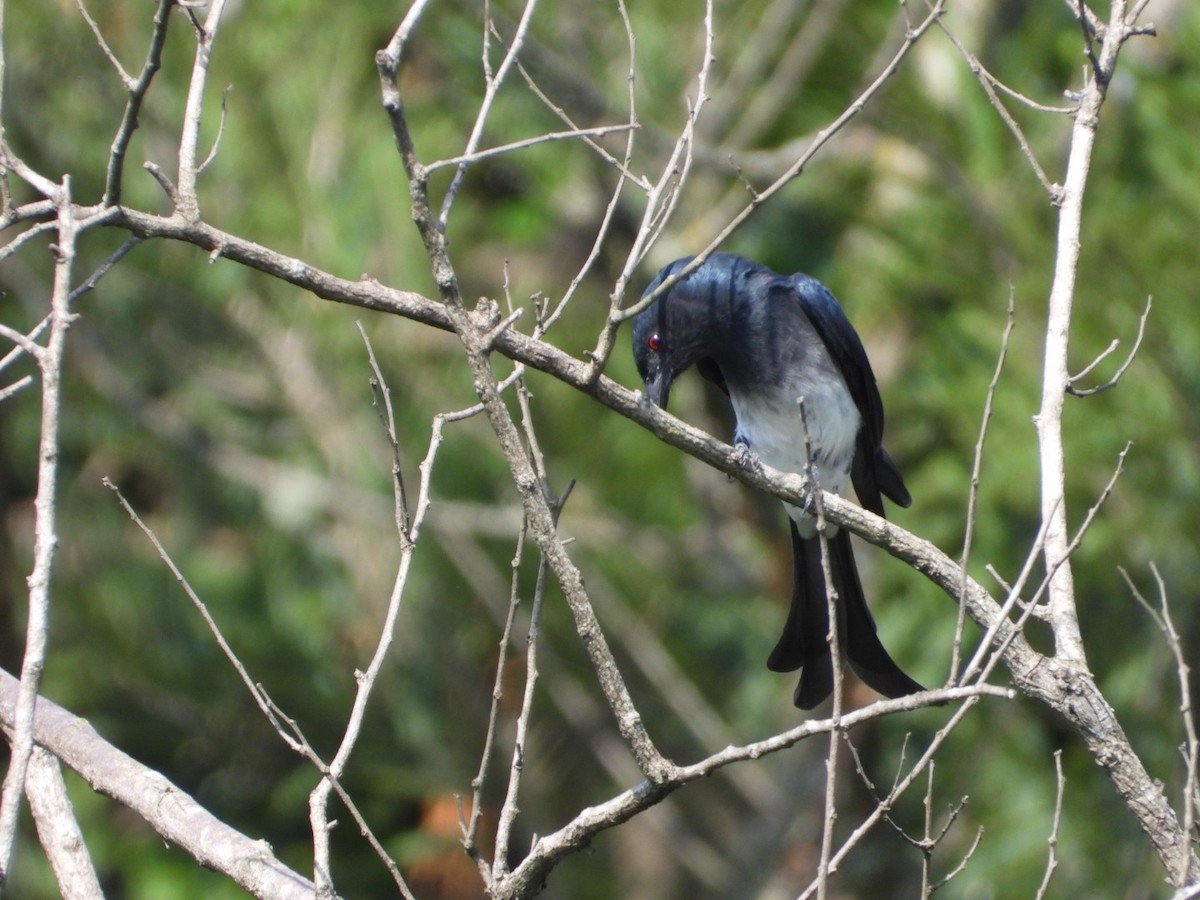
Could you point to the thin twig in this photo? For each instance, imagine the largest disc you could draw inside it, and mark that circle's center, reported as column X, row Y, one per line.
column 526, row 143
column 1052, row 841
column 492, row 87
column 623, row 167
column 1087, row 392
column 137, row 95
column 927, row 843
column 835, row 656
column 535, row 500
column 19, row 385
column 973, row 491
column 5, row 191
column 25, row 236
column 89, row 283
column 664, row 195
column 1071, row 547
column 821, row 138
column 470, row 829
column 382, row 397
column 989, row 83
column 962, row 863
column 299, row 741
column 216, row 144
column 126, row 78
column 264, row 703
column 508, row 810
column 319, row 798
column 583, row 828
column 1191, row 747
column 1000, row 621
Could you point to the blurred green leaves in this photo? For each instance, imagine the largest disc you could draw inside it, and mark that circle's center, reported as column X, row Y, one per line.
column 236, row 415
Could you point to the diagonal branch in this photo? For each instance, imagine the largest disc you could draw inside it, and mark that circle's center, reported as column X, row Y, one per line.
column 479, row 336
column 137, row 95
column 172, row 813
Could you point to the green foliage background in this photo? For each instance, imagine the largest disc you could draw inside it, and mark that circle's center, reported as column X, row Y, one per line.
column 235, row 414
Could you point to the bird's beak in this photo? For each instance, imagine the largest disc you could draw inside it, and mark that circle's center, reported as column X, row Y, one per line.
column 658, row 388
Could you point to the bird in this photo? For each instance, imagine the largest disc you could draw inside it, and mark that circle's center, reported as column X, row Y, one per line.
column 799, row 381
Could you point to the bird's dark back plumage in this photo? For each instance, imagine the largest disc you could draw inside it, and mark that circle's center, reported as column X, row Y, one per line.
column 703, row 318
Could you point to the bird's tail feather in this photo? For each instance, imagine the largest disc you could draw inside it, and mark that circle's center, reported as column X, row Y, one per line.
column 804, row 643
column 864, row 651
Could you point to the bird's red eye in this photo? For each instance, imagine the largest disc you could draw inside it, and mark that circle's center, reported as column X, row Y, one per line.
column 655, row 341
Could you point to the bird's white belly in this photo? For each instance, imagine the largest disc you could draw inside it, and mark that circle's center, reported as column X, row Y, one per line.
column 772, row 427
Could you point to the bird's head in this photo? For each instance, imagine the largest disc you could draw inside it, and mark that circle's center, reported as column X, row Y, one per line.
column 685, row 325
column 657, row 349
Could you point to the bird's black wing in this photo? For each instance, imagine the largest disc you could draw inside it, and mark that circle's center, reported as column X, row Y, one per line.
column 709, row 369
column 873, row 471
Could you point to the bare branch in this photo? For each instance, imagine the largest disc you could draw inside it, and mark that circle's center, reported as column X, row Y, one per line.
column 382, row 399
column 492, row 87
column 550, row 137
column 580, row 831
column 5, row 192
column 1047, row 682
column 835, row 655
column 50, row 364
column 171, row 812
column 478, row 342
column 660, row 203
column 1191, row 747
column 89, row 283
column 137, row 95
column 621, row 165
column 58, row 830
column 973, row 490
column 216, row 144
column 188, row 204
column 664, row 196
column 319, row 798
column 164, row 182
column 1055, row 378
column 24, row 343
column 126, row 78
column 19, row 385
column 819, row 140
column 306, row 750
column 1032, row 607
column 261, row 699
column 1052, row 841
column 962, row 863
column 508, row 811
column 883, row 805
column 1087, row 392
column 25, row 236
column 989, row 83
column 471, row 830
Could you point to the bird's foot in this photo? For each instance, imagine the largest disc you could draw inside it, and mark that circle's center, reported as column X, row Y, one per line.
column 813, row 475
column 747, row 460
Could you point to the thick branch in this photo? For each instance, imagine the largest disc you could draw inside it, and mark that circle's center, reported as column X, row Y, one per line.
column 171, row 812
